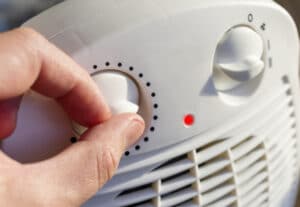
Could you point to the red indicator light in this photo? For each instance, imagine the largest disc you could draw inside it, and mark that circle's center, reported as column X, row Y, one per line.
column 189, row 120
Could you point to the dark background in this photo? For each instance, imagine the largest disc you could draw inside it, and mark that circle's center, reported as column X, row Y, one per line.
column 14, row 12
column 293, row 6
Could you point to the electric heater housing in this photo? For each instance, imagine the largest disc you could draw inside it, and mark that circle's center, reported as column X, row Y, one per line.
column 216, row 82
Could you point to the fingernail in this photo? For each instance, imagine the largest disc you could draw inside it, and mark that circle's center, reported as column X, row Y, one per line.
column 134, row 130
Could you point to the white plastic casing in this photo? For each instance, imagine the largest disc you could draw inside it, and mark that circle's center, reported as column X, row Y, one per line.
column 244, row 140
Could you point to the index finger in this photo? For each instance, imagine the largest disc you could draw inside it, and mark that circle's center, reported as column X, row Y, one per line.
column 28, row 60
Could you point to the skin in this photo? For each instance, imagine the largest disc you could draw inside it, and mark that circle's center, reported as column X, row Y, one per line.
column 73, row 176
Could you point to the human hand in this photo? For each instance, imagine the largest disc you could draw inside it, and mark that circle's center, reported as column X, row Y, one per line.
column 29, row 61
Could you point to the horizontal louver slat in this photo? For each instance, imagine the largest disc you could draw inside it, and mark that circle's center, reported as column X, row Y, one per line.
column 245, row 147
column 188, row 204
column 246, row 161
column 214, row 166
column 251, row 171
column 136, row 197
column 260, row 201
column 177, row 183
column 216, row 194
column 252, row 195
column 226, row 201
column 214, row 181
column 253, row 183
column 178, row 197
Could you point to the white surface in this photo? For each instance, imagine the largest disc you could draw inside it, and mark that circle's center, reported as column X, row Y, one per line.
column 171, row 44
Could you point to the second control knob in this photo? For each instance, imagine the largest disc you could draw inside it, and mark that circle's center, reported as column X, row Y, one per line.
column 238, row 58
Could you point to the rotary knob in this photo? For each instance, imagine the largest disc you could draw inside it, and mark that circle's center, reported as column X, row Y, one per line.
column 238, row 59
column 120, row 92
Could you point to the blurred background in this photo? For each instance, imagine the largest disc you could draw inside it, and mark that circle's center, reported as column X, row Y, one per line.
column 15, row 12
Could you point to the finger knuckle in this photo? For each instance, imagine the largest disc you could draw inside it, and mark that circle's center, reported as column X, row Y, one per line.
column 29, row 41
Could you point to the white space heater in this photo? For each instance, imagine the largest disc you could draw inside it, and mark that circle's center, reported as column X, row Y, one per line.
column 215, row 80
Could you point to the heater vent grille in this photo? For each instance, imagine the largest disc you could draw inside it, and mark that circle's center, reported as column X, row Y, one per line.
column 255, row 168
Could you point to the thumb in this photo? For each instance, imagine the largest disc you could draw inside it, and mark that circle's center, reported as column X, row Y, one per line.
column 79, row 172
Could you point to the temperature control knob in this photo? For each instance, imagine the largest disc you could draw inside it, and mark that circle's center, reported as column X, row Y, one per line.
column 238, row 58
column 120, row 92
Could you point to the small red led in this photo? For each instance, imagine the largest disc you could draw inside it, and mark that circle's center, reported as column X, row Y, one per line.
column 189, row 120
